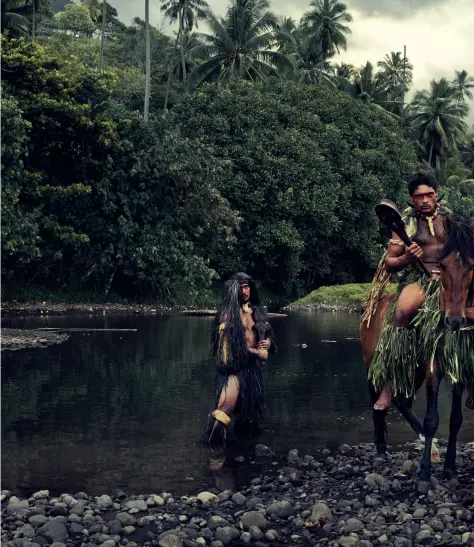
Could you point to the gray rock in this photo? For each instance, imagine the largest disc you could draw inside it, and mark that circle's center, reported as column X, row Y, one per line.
column 347, row 541
column 170, row 540
column 321, row 514
column 217, row 522
column 55, row 530
column 256, row 533
column 108, row 543
column 114, row 526
column 282, row 509
column 27, row 531
column 253, row 518
column 128, row 530
column 436, row 524
column 76, row 528
column 15, row 507
column 217, row 544
column 293, row 455
column 239, row 499
column 271, row 535
column 125, row 519
column 344, row 448
column 74, row 518
column 419, row 513
column 400, row 541
column 226, row 534
column 58, row 544
column 78, row 509
column 139, row 505
column 263, row 451
column 69, row 500
column 38, row 520
column 246, row 537
column 423, row 535
column 104, row 502
column 374, row 480
column 41, row 494
column 371, row 502
column 81, row 496
column 411, row 467
column 353, row 525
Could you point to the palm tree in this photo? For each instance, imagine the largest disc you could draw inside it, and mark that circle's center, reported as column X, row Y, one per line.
column 397, row 71
column 240, row 45
column 437, row 118
column 14, row 17
column 370, row 87
column 148, row 60
column 463, row 84
column 344, row 70
column 187, row 13
column 325, row 23
column 466, row 153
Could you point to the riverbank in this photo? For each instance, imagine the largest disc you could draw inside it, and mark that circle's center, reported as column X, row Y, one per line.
column 349, row 298
column 15, row 339
column 347, row 498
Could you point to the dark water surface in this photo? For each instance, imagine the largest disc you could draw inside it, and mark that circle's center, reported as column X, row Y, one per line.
column 125, row 410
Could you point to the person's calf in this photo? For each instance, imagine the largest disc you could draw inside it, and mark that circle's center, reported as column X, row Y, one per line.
column 215, row 431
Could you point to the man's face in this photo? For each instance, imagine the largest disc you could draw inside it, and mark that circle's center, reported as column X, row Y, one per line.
column 424, row 199
column 244, row 292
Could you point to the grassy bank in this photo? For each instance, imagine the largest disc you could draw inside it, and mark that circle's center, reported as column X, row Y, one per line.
column 349, row 297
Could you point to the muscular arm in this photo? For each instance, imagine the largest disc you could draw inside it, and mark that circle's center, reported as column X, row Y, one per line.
column 398, row 257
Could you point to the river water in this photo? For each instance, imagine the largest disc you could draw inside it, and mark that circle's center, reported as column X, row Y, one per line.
column 111, row 410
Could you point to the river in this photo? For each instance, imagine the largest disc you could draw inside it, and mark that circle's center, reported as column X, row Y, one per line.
column 111, row 410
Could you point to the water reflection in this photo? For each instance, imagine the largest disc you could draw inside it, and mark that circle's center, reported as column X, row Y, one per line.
column 125, row 410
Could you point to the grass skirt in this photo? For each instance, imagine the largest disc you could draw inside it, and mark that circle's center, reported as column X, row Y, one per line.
column 401, row 350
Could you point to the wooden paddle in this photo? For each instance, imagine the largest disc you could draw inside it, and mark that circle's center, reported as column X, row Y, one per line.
column 389, row 215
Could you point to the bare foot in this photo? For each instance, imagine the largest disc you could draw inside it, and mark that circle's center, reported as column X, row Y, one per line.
column 385, row 399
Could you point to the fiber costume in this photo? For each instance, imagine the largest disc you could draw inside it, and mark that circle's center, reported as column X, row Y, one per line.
column 233, row 357
column 400, row 350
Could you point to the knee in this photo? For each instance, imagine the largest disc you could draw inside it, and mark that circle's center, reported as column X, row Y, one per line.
column 404, row 316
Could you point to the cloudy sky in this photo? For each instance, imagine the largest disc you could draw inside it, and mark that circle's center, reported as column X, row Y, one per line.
column 438, row 34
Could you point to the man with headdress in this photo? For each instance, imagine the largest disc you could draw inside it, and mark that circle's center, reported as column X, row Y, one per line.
column 241, row 342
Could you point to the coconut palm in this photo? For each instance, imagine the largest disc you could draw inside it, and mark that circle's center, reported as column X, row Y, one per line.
column 14, row 17
column 241, row 44
column 325, row 22
column 187, row 13
column 344, row 70
column 463, row 83
column 397, row 71
column 466, row 153
column 437, row 117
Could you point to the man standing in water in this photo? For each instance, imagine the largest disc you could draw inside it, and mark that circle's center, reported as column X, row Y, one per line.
column 241, row 340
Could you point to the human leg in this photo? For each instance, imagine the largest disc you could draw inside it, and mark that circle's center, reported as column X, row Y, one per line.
column 216, row 427
column 396, row 347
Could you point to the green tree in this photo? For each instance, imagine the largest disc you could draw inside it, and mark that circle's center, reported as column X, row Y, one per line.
column 325, row 23
column 437, row 118
column 308, row 163
column 396, row 71
column 466, row 153
column 240, row 45
column 76, row 19
column 463, row 83
column 187, row 13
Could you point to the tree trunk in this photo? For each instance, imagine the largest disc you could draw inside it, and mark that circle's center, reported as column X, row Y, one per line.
column 181, row 34
column 168, row 83
column 112, row 275
column 33, row 22
column 102, row 35
column 430, row 157
column 148, row 60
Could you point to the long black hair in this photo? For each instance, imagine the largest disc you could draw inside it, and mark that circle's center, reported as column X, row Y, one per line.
column 229, row 313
